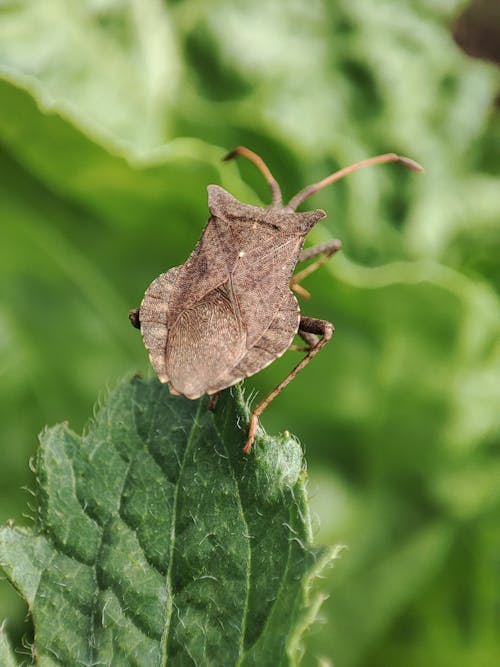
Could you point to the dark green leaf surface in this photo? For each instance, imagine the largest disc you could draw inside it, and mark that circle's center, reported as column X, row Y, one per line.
column 157, row 540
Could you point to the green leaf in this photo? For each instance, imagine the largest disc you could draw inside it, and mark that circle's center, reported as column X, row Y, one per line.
column 110, row 182
column 382, row 583
column 109, row 65
column 156, row 538
column 7, row 658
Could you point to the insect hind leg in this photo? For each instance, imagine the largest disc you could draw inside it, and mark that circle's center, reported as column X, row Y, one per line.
column 310, row 329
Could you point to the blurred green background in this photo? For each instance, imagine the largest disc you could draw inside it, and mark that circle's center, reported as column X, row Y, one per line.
column 114, row 115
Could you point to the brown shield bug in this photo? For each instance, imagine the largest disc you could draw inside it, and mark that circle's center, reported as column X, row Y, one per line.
column 229, row 310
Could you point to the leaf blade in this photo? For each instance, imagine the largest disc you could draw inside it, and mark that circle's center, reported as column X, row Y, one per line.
column 158, row 540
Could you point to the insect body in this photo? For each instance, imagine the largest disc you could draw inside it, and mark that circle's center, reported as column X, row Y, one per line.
column 229, row 310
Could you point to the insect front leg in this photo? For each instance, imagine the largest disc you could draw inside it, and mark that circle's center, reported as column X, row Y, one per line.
column 327, row 250
column 309, row 330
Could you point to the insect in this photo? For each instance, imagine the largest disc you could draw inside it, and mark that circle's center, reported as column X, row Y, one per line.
column 229, row 310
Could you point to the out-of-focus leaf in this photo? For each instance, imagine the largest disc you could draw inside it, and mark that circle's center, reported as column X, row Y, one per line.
column 470, row 490
column 156, row 538
column 111, row 65
column 384, row 585
column 77, row 167
column 453, row 633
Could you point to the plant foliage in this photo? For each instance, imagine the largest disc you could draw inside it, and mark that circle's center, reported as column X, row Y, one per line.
column 157, row 541
column 114, row 115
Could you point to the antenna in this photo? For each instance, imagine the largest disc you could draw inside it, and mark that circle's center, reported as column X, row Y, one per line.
column 379, row 159
column 263, row 168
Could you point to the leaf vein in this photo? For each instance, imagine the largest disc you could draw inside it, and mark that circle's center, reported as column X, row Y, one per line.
column 244, row 616
column 169, row 587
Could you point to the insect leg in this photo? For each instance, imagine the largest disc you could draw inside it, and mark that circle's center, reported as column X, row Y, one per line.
column 309, row 339
column 309, row 330
column 326, row 250
column 213, row 401
column 133, row 316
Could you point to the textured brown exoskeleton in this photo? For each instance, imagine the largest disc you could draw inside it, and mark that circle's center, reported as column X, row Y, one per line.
column 229, row 310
